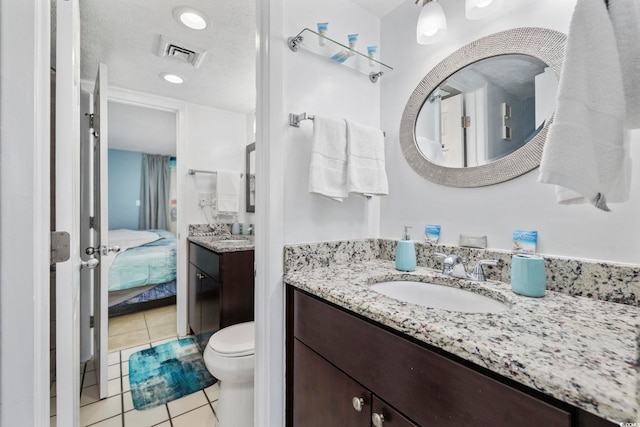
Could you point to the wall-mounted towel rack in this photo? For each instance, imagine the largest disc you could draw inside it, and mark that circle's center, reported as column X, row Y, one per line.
column 195, row 171
column 295, row 119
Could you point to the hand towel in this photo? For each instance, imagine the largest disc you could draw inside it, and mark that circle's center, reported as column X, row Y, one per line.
column 366, row 173
column 228, row 191
column 585, row 151
column 625, row 18
column 328, row 169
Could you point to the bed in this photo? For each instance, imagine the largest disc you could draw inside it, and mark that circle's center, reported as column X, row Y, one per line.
column 143, row 274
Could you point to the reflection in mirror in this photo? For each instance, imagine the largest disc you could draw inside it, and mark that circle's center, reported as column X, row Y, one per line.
column 250, row 192
column 486, row 110
column 490, row 104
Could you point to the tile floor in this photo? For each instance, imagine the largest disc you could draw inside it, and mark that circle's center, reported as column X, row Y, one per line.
column 194, row 410
column 130, row 330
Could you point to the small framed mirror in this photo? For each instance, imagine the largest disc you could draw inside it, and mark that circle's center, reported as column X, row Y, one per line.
column 250, row 177
column 481, row 116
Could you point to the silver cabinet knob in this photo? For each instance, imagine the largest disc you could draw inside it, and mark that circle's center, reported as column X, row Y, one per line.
column 91, row 263
column 377, row 419
column 358, row 403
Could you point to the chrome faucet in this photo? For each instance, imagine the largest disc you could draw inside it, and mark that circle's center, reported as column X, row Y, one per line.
column 452, row 265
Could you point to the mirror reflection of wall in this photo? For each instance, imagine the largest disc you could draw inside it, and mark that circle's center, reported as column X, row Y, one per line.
column 251, row 177
column 486, row 111
column 134, row 131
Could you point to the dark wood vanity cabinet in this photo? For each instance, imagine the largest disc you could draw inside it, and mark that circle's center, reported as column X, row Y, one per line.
column 221, row 290
column 334, row 356
column 326, row 396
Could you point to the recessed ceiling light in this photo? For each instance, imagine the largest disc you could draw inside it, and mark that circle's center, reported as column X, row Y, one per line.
column 190, row 17
column 172, row 78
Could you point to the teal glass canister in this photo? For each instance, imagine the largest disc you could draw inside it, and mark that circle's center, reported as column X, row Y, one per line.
column 528, row 275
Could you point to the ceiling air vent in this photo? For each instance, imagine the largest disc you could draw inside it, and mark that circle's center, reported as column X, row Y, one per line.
column 180, row 51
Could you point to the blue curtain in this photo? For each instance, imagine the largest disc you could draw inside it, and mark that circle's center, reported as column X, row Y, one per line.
column 154, row 192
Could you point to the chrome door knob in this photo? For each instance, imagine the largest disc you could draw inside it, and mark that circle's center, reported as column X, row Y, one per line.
column 377, row 420
column 358, row 403
column 104, row 251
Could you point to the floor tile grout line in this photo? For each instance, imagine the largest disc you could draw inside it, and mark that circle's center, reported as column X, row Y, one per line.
column 190, row 410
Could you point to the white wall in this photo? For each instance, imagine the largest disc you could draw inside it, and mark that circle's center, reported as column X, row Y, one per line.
column 576, row 231
column 318, row 86
column 216, row 141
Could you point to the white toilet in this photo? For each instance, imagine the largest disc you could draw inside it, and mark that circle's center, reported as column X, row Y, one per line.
column 229, row 357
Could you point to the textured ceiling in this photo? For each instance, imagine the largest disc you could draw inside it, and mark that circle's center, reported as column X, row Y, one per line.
column 124, row 34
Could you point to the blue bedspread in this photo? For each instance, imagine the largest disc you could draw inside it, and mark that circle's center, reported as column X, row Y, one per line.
column 144, row 265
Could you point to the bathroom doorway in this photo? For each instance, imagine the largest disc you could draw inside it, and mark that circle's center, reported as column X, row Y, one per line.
column 142, row 280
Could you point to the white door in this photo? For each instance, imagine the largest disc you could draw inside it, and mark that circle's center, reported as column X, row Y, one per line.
column 68, row 211
column 452, row 131
column 101, row 222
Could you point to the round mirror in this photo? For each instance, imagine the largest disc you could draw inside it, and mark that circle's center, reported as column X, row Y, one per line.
column 480, row 117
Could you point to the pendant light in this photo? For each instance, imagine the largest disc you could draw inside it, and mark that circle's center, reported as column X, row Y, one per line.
column 432, row 23
column 478, row 9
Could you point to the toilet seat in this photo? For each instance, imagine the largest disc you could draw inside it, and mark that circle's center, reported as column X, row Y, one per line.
column 234, row 341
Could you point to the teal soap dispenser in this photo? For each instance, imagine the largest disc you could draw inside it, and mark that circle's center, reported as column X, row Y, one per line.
column 406, row 253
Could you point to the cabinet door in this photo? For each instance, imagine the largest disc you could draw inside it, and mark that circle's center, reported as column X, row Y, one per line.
column 323, row 395
column 210, row 306
column 194, row 299
column 383, row 415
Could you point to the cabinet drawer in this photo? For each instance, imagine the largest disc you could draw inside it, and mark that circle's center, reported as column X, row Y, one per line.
column 427, row 387
column 206, row 260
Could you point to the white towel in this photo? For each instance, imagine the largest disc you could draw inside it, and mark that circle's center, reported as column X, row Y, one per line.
column 366, row 173
column 328, row 169
column 625, row 17
column 228, row 191
column 585, row 150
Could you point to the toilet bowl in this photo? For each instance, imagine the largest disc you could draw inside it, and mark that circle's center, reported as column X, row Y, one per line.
column 229, row 357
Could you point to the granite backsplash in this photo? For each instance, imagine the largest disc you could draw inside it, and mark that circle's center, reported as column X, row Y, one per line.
column 619, row 283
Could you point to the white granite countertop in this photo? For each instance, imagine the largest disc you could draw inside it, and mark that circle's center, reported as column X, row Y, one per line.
column 578, row 350
column 221, row 244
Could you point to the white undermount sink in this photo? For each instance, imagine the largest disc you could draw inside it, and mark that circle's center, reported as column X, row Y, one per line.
column 438, row 296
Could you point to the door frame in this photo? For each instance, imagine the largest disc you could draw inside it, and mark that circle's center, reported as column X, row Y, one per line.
column 24, row 211
column 270, row 154
column 145, row 100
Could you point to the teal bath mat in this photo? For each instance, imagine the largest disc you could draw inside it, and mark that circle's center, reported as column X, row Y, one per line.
column 167, row 372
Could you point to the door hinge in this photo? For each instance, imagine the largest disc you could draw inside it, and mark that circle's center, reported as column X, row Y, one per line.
column 466, row 121
column 60, row 246
column 92, row 222
column 91, row 322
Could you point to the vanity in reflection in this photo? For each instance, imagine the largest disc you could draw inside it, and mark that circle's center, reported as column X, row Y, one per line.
column 221, row 286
